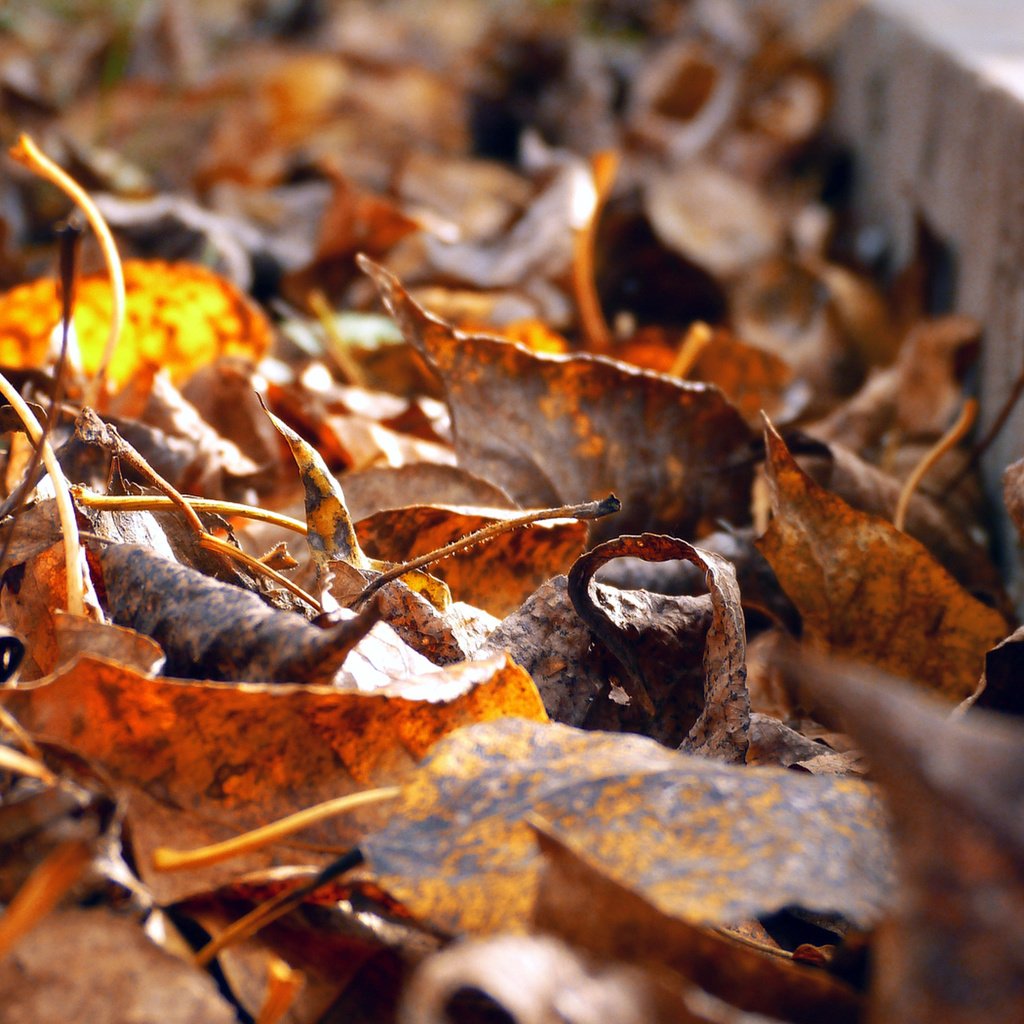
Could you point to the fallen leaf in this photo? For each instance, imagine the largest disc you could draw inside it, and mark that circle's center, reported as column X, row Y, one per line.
column 199, row 762
column 662, row 446
column 210, row 629
column 867, row 591
column 98, row 965
column 497, row 576
column 706, row 842
column 953, row 949
column 179, row 316
column 580, row 905
column 724, row 705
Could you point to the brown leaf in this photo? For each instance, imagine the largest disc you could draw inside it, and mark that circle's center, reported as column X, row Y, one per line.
column 497, row 576
column 706, row 842
column 200, row 762
column 548, row 638
column 600, row 426
column 867, row 591
column 721, row 729
column 954, row 949
column 751, row 378
column 580, row 905
column 422, row 483
column 100, row 966
column 213, row 630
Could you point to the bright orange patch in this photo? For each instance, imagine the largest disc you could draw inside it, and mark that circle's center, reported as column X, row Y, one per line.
column 179, row 316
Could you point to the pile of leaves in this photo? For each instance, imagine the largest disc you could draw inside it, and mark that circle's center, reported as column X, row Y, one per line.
column 511, row 557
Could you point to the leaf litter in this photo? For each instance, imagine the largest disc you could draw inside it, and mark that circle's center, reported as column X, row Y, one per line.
column 519, row 549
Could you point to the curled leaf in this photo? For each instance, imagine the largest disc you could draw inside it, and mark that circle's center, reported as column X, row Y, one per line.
column 721, row 729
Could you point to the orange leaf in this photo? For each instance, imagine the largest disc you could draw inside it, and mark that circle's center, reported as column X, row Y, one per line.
column 180, row 316
column 867, row 591
column 201, row 762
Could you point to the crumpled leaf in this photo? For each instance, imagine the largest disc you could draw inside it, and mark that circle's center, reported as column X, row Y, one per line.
column 724, row 710
column 707, row 842
column 600, row 426
column 954, row 947
column 497, row 576
column 583, row 907
column 179, row 316
column 867, row 591
column 548, row 638
column 213, row 630
column 99, row 965
column 200, row 762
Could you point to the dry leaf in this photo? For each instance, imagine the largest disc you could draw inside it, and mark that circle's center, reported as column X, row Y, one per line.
column 200, row 762
column 213, row 630
column 953, row 949
column 723, row 705
column 179, row 316
column 662, row 446
column 583, row 907
column 867, row 591
column 706, row 842
column 99, row 965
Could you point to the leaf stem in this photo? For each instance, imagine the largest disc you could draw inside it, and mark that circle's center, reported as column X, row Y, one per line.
column 165, row 859
column 65, row 507
column 586, row 510
column 222, row 547
column 158, row 502
column 277, row 907
column 27, row 153
column 944, row 444
column 593, row 325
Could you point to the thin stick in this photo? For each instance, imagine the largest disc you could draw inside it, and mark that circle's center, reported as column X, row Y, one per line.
column 159, row 502
column 165, row 859
column 991, row 434
column 592, row 322
column 65, row 508
column 277, row 907
column 91, row 429
column 284, row 983
column 697, row 338
column 586, row 510
column 336, row 347
column 27, row 153
column 21, row 735
column 949, row 440
column 222, row 547
column 42, row 891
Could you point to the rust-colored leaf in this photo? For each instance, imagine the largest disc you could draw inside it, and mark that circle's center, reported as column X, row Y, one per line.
column 707, row 842
column 497, row 576
column 867, row 591
column 203, row 761
column 599, row 426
